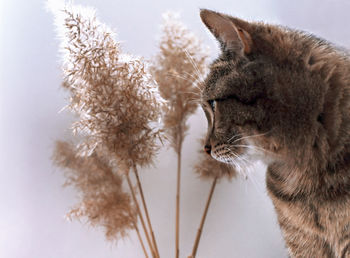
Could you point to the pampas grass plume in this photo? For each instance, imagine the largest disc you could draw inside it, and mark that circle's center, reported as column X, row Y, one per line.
column 103, row 200
column 112, row 93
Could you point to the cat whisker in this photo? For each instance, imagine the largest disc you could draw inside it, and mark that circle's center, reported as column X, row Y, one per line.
column 246, row 164
column 244, row 160
column 252, row 178
column 193, row 82
column 193, row 77
column 247, row 172
column 189, row 57
column 241, row 159
column 228, row 161
column 235, row 135
column 180, row 77
column 197, row 87
column 188, row 80
column 194, row 65
column 250, row 136
column 255, row 147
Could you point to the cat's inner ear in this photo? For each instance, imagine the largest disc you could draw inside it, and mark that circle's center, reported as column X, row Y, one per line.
column 231, row 37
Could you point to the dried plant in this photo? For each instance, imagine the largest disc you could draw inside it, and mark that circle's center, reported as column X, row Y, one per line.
column 114, row 96
column 178, row 69
column 103, row 200
column 119, row 110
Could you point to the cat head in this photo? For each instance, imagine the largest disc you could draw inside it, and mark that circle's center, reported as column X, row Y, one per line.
column 265, row 94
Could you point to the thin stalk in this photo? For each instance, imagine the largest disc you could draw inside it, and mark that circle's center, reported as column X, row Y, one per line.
column 177, row 223
column 141, row 241
column 140, row 215
column 178, row 186
column 146, row 211
column 199, row 232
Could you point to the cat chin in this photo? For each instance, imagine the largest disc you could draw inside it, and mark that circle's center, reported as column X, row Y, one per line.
column 256, row 153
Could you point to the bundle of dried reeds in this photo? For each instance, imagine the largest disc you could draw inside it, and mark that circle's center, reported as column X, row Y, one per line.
column 116, row 100
column 119, row 108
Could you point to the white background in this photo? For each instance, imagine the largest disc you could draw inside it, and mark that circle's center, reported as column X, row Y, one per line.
column 241, row 221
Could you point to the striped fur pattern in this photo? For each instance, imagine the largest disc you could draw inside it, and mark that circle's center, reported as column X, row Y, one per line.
column 283, row 96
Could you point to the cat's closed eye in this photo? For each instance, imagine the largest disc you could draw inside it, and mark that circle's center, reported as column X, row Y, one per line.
column 212, row 104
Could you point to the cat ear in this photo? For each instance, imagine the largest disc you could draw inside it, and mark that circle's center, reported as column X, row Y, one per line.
column 231, row 36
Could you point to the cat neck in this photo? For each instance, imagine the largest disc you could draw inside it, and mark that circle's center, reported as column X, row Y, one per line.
column 326, row 183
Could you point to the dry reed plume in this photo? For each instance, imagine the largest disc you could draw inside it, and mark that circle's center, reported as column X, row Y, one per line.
column 115, row 98
column 112, row 93
column 178, row 69
column 103, row 200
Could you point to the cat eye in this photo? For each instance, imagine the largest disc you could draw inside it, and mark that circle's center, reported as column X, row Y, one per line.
column 212, row 104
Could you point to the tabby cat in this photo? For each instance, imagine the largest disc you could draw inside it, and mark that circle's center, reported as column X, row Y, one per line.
column 284, row 96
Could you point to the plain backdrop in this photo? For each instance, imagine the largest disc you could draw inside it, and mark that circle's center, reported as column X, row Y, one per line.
column 241, row 221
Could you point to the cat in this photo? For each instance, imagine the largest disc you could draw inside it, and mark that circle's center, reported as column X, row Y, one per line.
column 283, row 96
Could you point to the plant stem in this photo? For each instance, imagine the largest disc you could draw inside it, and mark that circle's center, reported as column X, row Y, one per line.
column 140, row 215
column 199, row 232
column 141, row 241
column 146, row 210
column 180, row 138
column 177, row 223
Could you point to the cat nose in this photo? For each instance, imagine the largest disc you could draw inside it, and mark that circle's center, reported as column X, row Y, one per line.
column 207, row 149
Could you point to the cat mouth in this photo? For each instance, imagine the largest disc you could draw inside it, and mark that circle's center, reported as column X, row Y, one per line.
column 225, row 154
column 241, row 158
